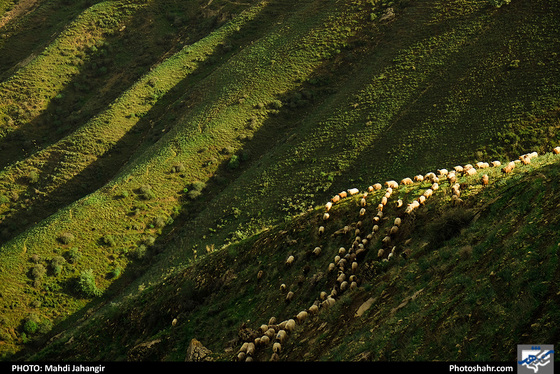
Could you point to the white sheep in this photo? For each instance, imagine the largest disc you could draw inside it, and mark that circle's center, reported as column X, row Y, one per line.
column 301, row 316
column 377, row 186
column 328, row 206
column 392, row 184
column 321, row 230
column 317, row 251
column 313, row 309
column 508, row 168
column 406, row 181
column 343, row 286
column 363, row 202
column 265, row 340
column 496, row 163
column 470, row 171
column 326, row 216
column 485, row 179
column 428, row 193
column 281, row 336
column 362, row 211
column 422, row 199
column 343, row 194
column 458, row 168
column 399, row 203
column 435, row 186
column 419, row 178
column 290, row 325
column 251, row 348
column 328, row 302
column 276, row 347
column 290, row 260
column 393, row 230
column 397, row 221
column 289, row 296
column 556, row 150
column 353, row 191
column 375, row 228
column 442, row 172
column 341, row 251
column 354, row 266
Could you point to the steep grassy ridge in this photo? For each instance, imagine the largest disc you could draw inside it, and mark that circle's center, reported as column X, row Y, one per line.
column 138, row 136
column 469, row 281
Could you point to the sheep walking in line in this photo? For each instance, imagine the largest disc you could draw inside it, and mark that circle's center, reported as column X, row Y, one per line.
column 392, row 184
column 556, row 150
column 484, row 180
column 406, row 181
column 508, row 168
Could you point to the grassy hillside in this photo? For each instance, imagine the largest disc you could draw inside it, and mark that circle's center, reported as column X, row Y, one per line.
column 145, row 142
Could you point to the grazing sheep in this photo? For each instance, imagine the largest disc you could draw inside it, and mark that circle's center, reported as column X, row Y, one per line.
column 392, row 184
column 277, row 348
column 526, row 160
column 374, row 229
column 393, row 230
column 335, row 199
column 263, row 328
column 326, row 216
column 290, row 260
column 272, row 321
column 321, row 230
column 370, row 189
column 241, row 356
column 377, row 186
column 399, row 203
column 343, row 286
column 458, row 168
column 435, row 186
column 328, row 302
column 556, row 150
column 384, row 200
column 508, row 168
column 442, row 172
column 380, row 207
column 341, row 251
column 419, row 178
column 362, row 211
column 343, row 194
column 341, row 278
column 397, row 221
column 485, row 180
column 251, row 349
column 482, row 165
column 270, row 333
column 282, row 287
column 274, row 357
column 281, row 336
column 290, row 325
column 386, row 240
column 406, row 181
column 301, row 316
column 317, row 251
column 265, row 340
column 428, row 193
column 363, row 202
column 422, row 199
column 323, row 295
column 354, row 266
column 451, row 177
column 496, row 163
column 328, row 206
column 313, row 309
column 289, row 296
column 430, row 176
column 470, row 171
column 353, row 191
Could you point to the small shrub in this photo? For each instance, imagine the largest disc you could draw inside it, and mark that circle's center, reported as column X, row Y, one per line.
column 115, row 273
column 73, row 255
column 57, row 264
column 66, row 238
column 30, row 327
column 38, row 272
column 108, row 240
column 34, row 258
column 194, row 194
column 198, row 185
column 233, row 162
column 33, row 177
column 86, row 284
column 178, row 168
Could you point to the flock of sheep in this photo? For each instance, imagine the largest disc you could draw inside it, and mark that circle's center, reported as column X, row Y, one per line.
column 346, row 261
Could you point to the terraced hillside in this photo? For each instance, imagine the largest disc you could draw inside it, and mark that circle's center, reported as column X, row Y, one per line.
column 145, row 143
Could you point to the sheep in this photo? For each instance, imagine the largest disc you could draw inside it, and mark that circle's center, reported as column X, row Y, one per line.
column 323, row 295
column 428, row 193
column 289, row 296
column 482, row 165
column 343, row 194
column 301, row 316
column 317, row 251
column 335, row 199
column 393, row 230
column 422, row 199
column 354, row 266
column 386, row 240
column 380, row 214
column 290, row 260
column 271, row 333
column 399, row 203
column 430, row 176
column 328, row 206
column 326, row 216
column 442, row 172
column 343, row 286
column 281, row 336
column 363, row 202
column 384, row 200
column 435, row 186
column 265, row 340
column 277, row 348
column 526, row 160
column 508, row 168
column 370, row 189
column 263, row 328
column 251, row 349
column 495, row 163
column 455, row 188
column 260, row 274
column 380, row 207
column 321, row 230
column 556, row 150
column 397, row 221
column 406, row 181
column 458, row 168
column 313, row 309
column 274, row 357
column 241, row 356
column 341, row 251
column 470, row 171
column 451, row 177
column 341, row 278
column 272, row 321
column 353, row 191
column 328, row 302
column 419, row 178
column 375, row 228
column 282, row 287
column 392, row 184
column 362, row 211
column 485, row 180
column 377, row 186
